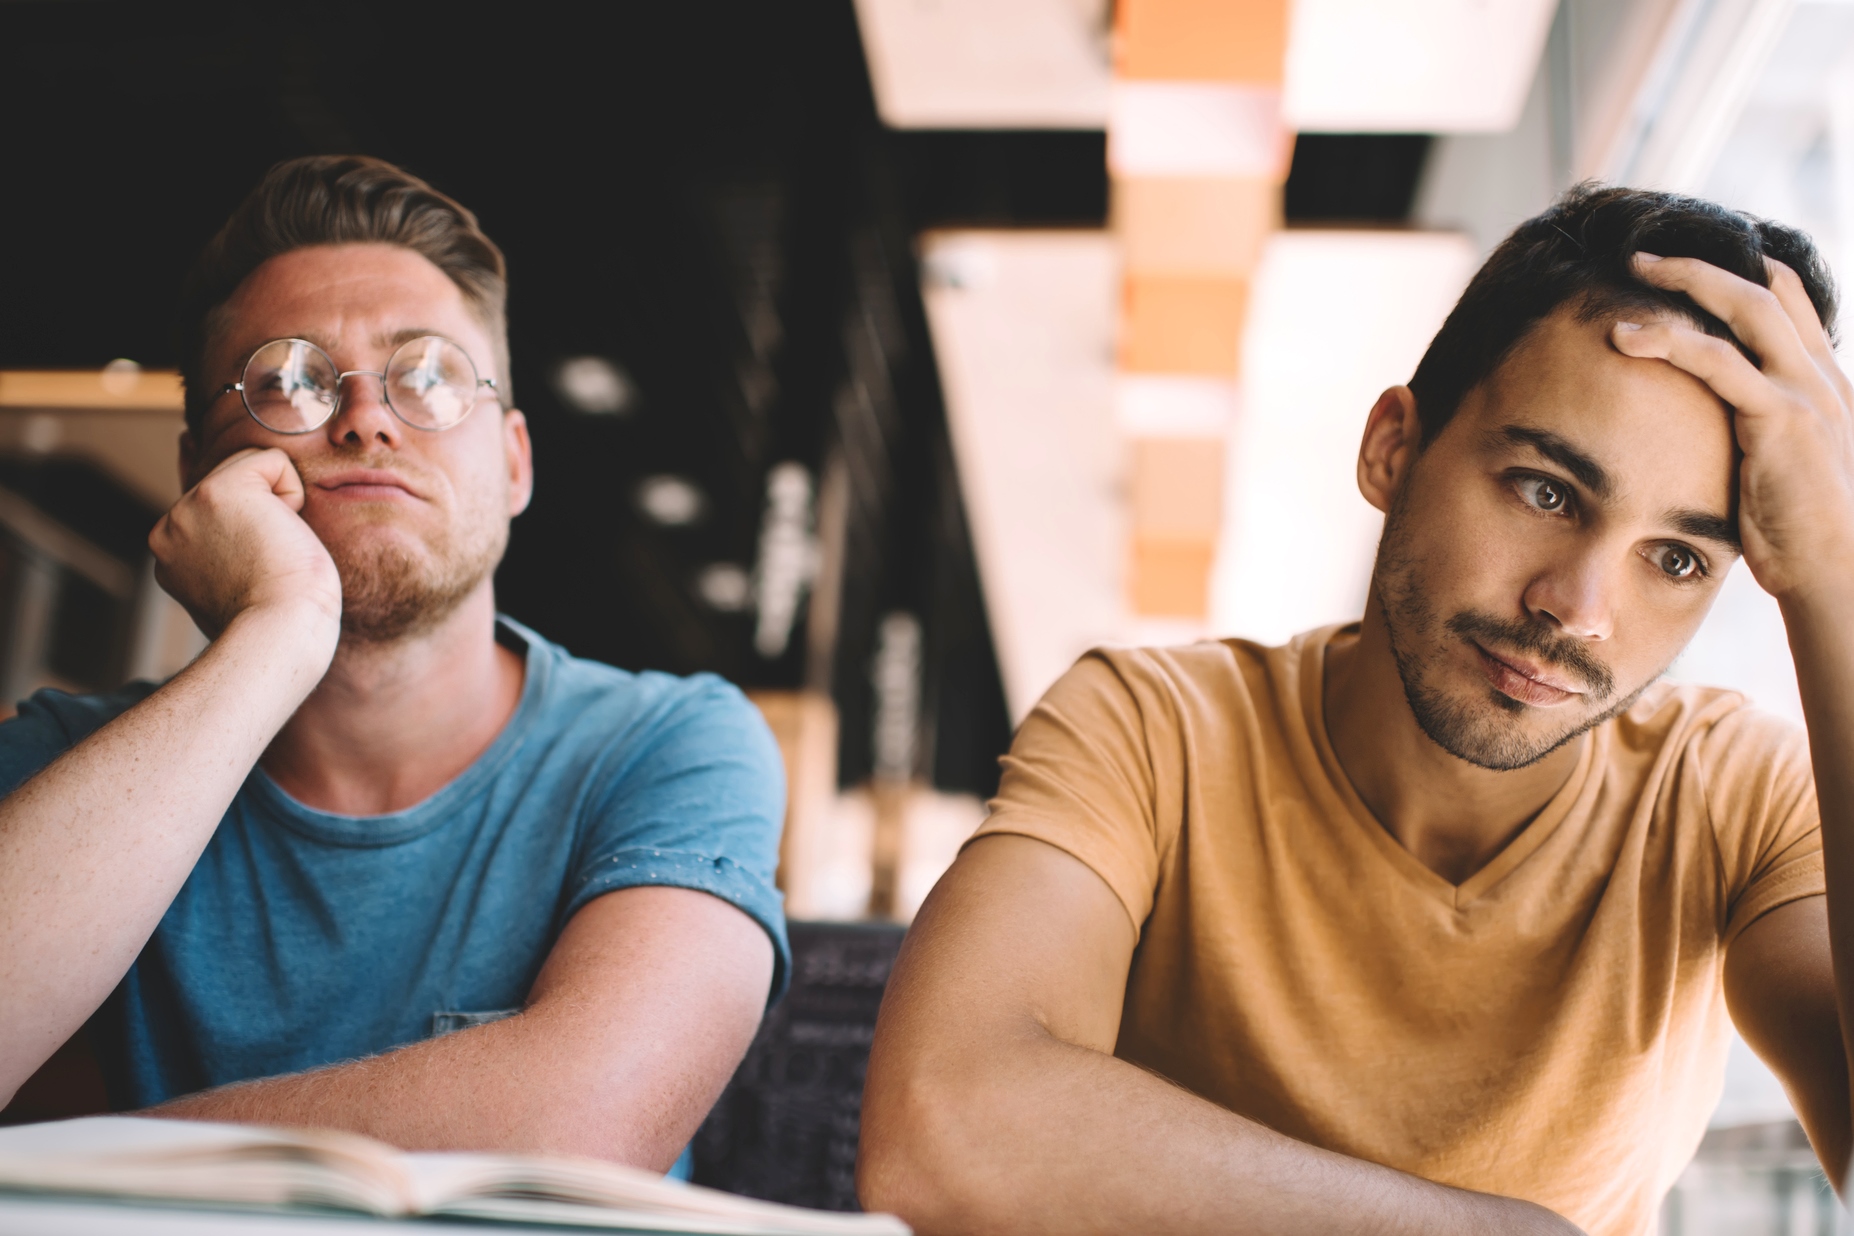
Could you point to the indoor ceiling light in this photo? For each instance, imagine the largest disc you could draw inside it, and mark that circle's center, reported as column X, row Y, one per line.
column 594, row 385
column 670, row 501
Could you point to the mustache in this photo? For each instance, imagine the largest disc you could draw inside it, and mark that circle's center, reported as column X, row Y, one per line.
column 316, row 467
column 1543, row 642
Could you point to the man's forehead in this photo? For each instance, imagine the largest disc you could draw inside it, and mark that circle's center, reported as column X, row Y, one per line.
column 1567, row 370
column 379, row 338
column 346, row 296
column 1647, row 426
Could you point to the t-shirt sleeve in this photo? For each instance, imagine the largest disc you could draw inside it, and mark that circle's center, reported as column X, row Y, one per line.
column 50, row 723
column 698, row 802
column 1760, row 793
column 1080, row 775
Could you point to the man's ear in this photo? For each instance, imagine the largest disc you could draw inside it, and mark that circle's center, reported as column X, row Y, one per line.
column 1393, row 437
column 519, row 454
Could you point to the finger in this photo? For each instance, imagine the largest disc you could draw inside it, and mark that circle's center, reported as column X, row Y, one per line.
column 285, row 481
column 1787, row 286
column 1753, row 313
column 274, row 468
column 1712, row 360
column 236, row 458
column 160, row 535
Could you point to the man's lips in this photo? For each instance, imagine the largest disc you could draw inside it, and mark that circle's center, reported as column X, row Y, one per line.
column 373, row 484
column 1525, row 681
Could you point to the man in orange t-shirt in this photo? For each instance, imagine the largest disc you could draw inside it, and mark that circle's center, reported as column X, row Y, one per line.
column 1431, row 923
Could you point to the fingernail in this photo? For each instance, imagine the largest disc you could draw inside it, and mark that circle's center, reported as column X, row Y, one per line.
column 1647, row 257
column 1628, row 326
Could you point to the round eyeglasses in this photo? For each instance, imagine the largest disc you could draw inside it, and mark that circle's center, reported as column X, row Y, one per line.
column 291, row 386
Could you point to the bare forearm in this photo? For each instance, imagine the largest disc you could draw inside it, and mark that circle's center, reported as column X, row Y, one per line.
column 1045, row 1136
column 639, row 1017
column 489, row 1087
column 94, row 848
column 1821, row 633
column 511, row 1086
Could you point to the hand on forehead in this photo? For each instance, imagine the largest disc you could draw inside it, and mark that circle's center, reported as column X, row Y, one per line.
column 1646, row 428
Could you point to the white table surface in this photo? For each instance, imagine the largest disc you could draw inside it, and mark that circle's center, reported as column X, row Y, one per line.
column 27, row 1215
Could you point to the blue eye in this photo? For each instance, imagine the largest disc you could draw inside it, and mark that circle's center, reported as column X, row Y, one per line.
column 1544, row 493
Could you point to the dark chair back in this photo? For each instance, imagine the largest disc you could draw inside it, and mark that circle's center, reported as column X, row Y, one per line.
column 785, row 1128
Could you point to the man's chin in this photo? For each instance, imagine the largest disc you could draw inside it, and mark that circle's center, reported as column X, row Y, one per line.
column 389, row 595
column 1494, row 731
column 397, row 584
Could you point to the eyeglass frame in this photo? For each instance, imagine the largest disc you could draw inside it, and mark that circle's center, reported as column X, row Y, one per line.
column 342, row 375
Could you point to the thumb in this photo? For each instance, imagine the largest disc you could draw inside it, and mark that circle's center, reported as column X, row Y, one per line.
column 286, row 482
column 272, row 468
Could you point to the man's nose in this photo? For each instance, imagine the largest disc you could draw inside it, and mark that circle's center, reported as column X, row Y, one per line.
column 361, row 416
column 1576, row 594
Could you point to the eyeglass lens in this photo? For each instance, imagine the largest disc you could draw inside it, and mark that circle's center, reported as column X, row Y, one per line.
column 291, row 385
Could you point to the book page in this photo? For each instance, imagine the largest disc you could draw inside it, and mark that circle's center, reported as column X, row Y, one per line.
column 594, row 1193
column 182, row 1160
column 140, row 1156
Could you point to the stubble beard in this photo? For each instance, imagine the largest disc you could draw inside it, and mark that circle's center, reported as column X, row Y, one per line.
column 391, row 593
column 1484, row 731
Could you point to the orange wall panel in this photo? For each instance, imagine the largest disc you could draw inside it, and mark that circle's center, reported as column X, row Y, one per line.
column 1170, row 578
column 1201, row 40
column 1182, row 324
column 1177, row 488
column 1199, row 225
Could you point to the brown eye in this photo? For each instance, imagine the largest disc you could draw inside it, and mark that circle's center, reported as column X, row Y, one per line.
column 1678, row 563
column 1546, row 495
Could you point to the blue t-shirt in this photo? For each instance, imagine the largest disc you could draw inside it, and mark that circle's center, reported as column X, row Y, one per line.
column 303, row 938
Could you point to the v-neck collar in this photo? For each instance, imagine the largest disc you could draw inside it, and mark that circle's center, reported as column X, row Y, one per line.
column 1343, row 801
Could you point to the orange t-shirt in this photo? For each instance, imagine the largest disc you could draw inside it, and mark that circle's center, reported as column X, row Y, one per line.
column 1552, row 1029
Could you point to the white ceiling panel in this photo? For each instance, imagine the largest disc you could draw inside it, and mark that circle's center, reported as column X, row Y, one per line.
column 1413, row 66
column 1298, row 539
column 1435, row 66
column 987, row 64
column 1023, row 332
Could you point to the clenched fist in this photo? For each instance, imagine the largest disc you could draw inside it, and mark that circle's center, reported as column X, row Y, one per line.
column 236, row 542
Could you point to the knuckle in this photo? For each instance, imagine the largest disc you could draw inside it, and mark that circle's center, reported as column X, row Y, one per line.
column 1763, row 299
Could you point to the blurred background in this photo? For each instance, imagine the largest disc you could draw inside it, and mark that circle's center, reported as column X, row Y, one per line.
column 884, row 355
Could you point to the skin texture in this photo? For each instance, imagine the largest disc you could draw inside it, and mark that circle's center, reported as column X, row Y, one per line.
column 289, row 550
column 994, row 1102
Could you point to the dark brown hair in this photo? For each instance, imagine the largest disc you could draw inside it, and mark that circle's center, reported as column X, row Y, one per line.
column 336, row 200
column 1578, row 253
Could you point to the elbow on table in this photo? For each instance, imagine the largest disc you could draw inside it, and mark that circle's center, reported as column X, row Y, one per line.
column 922, row 1157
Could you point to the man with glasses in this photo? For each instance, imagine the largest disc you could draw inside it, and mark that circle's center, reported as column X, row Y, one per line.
column 380, row 859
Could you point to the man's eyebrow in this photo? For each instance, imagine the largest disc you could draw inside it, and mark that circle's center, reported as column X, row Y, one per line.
column 1704, row 525
column 312, row 336
column 1589, row 472
column 404, row 335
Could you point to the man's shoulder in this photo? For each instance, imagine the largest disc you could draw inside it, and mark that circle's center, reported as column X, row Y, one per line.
column 1210, row 676
column 602, row 701
column 1721, row 731
column 1680, row 711
column 580, row 683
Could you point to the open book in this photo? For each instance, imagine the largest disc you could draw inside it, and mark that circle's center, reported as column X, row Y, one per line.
column 232, row 1164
